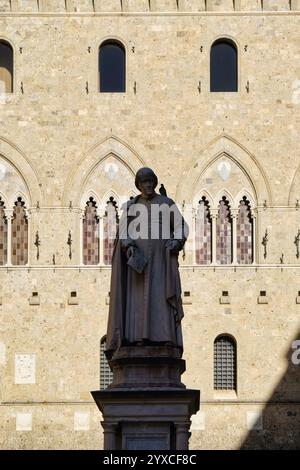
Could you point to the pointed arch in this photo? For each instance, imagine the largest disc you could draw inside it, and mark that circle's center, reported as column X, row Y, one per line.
column 203, row 193
column 21, row 195
column 132, row 193
column 4, row 199
column 244, row 193
column 90, row 193
column 294, row 193
column 225, row 145
column 13, row 156
column 111, row 193
column 96, row 155
column 224, row 193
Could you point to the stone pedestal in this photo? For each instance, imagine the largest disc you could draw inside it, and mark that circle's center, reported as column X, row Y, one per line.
column 147, row 407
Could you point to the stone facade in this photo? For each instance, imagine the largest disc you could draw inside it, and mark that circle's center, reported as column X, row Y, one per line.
column 62, row 142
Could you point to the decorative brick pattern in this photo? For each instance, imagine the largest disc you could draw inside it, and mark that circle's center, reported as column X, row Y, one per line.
column 203, row 235
column 224, row 363
column 3, row 235
column 90, row 234
column 19, row 234
column 110, row 226
column 244, row 233
column 224, row 233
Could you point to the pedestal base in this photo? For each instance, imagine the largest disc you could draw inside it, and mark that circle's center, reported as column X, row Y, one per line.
column 146, row 419
column 147, row 367
column 147, row 407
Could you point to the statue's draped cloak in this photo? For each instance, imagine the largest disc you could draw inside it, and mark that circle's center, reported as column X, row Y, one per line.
column 146, row 306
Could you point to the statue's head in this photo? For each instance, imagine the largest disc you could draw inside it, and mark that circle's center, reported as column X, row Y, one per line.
column 146, row 181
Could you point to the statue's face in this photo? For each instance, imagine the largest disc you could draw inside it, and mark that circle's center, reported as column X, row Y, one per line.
column 147, row 187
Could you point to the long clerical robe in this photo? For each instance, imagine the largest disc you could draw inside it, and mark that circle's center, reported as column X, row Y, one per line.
column 146, row 306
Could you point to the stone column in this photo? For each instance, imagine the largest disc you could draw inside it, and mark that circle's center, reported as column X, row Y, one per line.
column 110, row 430
column 101, row 238
column 28, row 216
column 194, row 232
column 234, row 214
column 81, row 218
column 214, row 215
column 182, row 435
column 9, row 215
column 254, row 239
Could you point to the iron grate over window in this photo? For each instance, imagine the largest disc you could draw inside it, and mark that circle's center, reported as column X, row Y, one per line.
column 106, row 375
column 224, row 363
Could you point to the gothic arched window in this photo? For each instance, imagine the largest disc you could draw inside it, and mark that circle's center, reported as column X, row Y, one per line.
column 19, row 234
column 112, row 67
column 244, row 233
column 90, row 233
column 223, row 66
column 110, row 226
column 3, row 235
column 6, row 67
column 203, row 233
column 106, row 375
column 224, row 233
column 225, row 363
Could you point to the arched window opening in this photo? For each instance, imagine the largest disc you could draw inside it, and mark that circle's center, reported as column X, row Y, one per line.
column 106, row 375
column 244, row 233
column 225, row 363
column 6, row 67
column 3, row 235
column 19, row 234
column 224, row 233
column 112, row 67
column 110, row 227
column 203, row 233
column 91, row 233
column 223, row 66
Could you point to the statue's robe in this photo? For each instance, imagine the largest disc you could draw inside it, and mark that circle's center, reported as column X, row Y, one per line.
column 146, row 307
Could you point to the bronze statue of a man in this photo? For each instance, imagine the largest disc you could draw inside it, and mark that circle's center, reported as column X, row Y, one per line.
column 145, row 294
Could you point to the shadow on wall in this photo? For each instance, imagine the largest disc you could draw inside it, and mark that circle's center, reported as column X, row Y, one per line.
column 278, row 427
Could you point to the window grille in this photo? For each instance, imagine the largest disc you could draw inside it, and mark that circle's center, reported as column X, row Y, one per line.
column 224, row 363
column 106, row 375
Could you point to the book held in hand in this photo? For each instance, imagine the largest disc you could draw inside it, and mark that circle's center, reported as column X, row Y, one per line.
column 137, row 261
